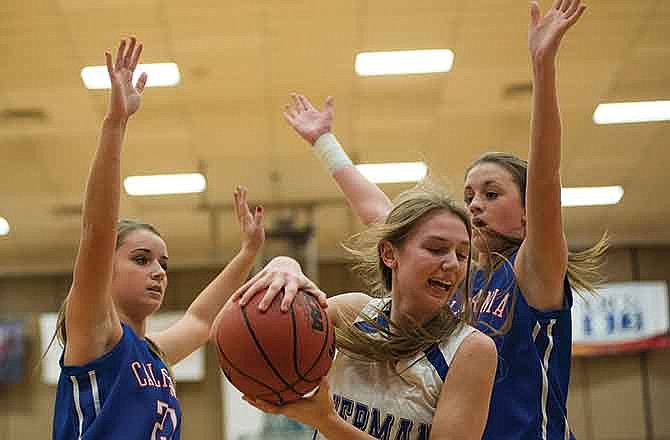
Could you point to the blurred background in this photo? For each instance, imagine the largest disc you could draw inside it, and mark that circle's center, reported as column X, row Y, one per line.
column 222, row 118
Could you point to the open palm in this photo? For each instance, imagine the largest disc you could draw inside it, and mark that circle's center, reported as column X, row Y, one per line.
column 545, row 33
column 306, row 120
column 126, row 98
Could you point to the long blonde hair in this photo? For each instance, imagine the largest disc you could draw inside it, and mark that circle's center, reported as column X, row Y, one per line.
column 400, row 341
column 124, row 228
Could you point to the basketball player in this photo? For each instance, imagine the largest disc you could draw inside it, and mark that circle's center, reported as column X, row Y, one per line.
column 522, row 286
column 115, row 383
column 407, row 367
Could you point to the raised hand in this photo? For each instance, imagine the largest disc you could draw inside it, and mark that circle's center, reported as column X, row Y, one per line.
column 251, row 225
column 125, row 98
column 545, row 33
column 306, row 120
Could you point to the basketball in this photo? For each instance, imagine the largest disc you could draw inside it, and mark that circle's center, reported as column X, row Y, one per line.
column 275, row 356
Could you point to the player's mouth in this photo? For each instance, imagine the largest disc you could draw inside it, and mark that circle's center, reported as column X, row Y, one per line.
column 440, row 284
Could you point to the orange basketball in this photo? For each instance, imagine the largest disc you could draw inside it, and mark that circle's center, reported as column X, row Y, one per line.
column 275, row 356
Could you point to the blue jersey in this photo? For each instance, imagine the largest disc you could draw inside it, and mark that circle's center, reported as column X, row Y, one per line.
column 125, row 394
column 531, row 387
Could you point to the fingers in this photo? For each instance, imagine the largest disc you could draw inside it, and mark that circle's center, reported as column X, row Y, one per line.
column 128, row 56
column 330, row 105
column 141, row 82
column 120, row 54
column 253, row 288
column 108, row 61
column 534, row 14
column 135, row 58
column 564, row 5
column 304, row 103
column 258, row 216
column 297, row 105
column 320, row 296
column 572, row 8
column 573, row 19
column 240, row 292
column 240, row 203
column 274, row 289
column 290, row 290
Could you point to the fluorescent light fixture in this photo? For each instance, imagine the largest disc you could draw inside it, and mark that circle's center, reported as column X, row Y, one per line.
column 393, row 172
column 161, row 184
column 160, row 75
column 590, row 196
column 626, row 112
column 4, row 226
column 404, row 62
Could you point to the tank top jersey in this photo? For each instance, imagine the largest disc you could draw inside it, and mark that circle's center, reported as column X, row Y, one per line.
column 125, row 394
column 531, row 386
column 391, row 401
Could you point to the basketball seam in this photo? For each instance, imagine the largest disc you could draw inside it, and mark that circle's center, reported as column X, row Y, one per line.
column 325, row 343
column 242, row 373
column 265, row 356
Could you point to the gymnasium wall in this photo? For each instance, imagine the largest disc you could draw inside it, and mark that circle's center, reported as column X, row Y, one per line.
column 611, row 398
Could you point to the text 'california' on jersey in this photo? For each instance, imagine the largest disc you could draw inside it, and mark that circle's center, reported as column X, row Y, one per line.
column 125, row 394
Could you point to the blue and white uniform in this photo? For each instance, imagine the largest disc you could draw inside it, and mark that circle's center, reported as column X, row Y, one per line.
column 125, row 394
column 391, row 400
column 531, row 387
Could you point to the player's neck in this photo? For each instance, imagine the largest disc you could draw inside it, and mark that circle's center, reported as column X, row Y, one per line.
column 138, row 325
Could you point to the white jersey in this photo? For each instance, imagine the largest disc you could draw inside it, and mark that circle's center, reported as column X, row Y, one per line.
column 391, row 401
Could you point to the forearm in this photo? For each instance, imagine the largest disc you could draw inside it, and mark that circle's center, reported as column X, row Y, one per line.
column 212, row 299
column 545, row 142
column 101, row 202
column 365, row 198
column 335, row 428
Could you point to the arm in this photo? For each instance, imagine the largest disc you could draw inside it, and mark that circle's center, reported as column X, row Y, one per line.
column 193, row 329
column 463, row 405
column 316, row 411
column 92, row 324
column 543, row 256
column 365, row 198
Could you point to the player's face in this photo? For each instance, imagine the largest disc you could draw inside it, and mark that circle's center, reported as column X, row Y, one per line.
column 140, row 273
column 494, row 202
column 429, row 266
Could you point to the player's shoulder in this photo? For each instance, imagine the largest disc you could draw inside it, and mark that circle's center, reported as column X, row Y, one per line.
column 350, row 304
column 478, row 347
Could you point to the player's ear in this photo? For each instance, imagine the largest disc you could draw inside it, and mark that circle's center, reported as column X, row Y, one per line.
column 387, row 254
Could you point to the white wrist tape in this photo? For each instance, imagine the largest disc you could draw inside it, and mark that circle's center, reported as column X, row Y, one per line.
column 331, row 153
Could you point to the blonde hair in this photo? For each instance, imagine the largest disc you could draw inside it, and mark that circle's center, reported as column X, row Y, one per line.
column 400, row 341
column 124, row 228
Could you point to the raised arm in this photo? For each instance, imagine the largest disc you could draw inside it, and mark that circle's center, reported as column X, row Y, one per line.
column 193, row 329
column 92, row 325
column 543, row 257
column 365, row 198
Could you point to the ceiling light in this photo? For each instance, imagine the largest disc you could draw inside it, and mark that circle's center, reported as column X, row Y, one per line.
column 161, row 184
column 4, row 226
column 393, row 172
column 627, row 112
column 589, row 196
column 404, row 62
column 159, row 75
